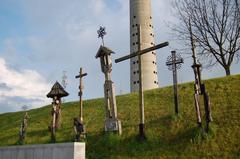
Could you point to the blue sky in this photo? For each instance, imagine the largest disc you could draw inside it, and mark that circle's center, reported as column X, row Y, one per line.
column 41, row 39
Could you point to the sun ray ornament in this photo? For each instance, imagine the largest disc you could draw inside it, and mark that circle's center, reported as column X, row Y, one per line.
column 101, row 33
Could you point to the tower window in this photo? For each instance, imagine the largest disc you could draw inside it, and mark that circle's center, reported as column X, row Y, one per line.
column 134, row 72
column 137, row 81
column 134, row 82
column 150, row 17
column 134, row 16
column 133, row 34
column 133, row 26
column 155, row 82
column 134, row 62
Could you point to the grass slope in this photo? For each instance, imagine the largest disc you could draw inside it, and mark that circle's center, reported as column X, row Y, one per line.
column 168, row 136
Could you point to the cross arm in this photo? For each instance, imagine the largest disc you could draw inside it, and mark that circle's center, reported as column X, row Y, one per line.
column 82, row 75
column 142, row 52
column 176, row 62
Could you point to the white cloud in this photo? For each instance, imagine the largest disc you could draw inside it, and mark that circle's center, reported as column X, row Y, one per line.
column 63, row 36
column 22, row 86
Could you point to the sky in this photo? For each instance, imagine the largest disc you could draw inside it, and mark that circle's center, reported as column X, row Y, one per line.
column 39, row 39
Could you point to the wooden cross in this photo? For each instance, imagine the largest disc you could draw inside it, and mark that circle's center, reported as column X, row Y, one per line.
column 173, row 64
column 199, row 88
column 80, row 76
column 141, row 95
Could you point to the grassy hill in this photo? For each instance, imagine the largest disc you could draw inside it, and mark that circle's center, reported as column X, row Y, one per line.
column 168, row 136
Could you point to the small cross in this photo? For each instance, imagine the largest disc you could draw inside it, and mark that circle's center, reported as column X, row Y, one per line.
column 141, row 95
column 80, row 76
column 174, row 62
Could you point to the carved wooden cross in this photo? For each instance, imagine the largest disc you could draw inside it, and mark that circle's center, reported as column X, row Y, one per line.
column 141, row 95
column 80, row 76
column 174, row 62
column 199, row 88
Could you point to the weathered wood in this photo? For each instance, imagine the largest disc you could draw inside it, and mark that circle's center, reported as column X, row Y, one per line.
column 56, row 93
column 80, row 76
column 199, row 88
column 112, row 123
column 141, row 94
column 23, row 128
column 141, row 52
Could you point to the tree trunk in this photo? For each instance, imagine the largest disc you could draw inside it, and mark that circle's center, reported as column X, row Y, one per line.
column 227, row 70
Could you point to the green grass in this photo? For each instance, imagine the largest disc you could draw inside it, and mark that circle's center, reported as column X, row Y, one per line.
column 168, row 136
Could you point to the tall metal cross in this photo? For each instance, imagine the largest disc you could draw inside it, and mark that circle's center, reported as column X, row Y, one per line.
column 141, row 95
column 174, row 63
column 80, row 76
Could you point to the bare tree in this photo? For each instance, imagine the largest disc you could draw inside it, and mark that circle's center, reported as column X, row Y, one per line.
column 216, row 29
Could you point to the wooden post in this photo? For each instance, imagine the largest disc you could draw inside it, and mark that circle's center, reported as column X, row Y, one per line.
column 196, row 70
column 141, row 94
column 80, row 76
column 199, row 87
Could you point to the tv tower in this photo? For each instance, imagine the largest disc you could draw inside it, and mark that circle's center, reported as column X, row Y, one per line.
column 141, row 14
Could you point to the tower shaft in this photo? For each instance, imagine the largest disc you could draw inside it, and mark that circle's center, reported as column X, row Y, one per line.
column 141, row 14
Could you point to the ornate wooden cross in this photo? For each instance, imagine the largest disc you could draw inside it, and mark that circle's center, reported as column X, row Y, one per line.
column 80, row 76
column 141, row 95
column 174, row 62
column 200, row 88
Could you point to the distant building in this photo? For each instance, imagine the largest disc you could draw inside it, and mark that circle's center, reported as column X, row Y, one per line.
column 141, row 14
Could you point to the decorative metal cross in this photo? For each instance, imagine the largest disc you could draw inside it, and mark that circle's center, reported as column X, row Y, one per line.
column 101, row 33
column 141, row 95
column 80, row 76
column 174, row 63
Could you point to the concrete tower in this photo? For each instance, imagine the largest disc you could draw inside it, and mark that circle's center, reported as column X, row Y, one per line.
column 141, row 14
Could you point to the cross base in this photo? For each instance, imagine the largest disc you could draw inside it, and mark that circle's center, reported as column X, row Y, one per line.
column 112, row 124
column 141, row 136
column 80, row 135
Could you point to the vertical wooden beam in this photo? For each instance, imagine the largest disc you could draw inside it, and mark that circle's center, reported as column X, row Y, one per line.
column 141, row 95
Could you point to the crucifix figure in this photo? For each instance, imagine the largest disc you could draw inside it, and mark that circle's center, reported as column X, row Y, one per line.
column 174, row 63
column 200, row 88
column 141, row 95
column 112, row 123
